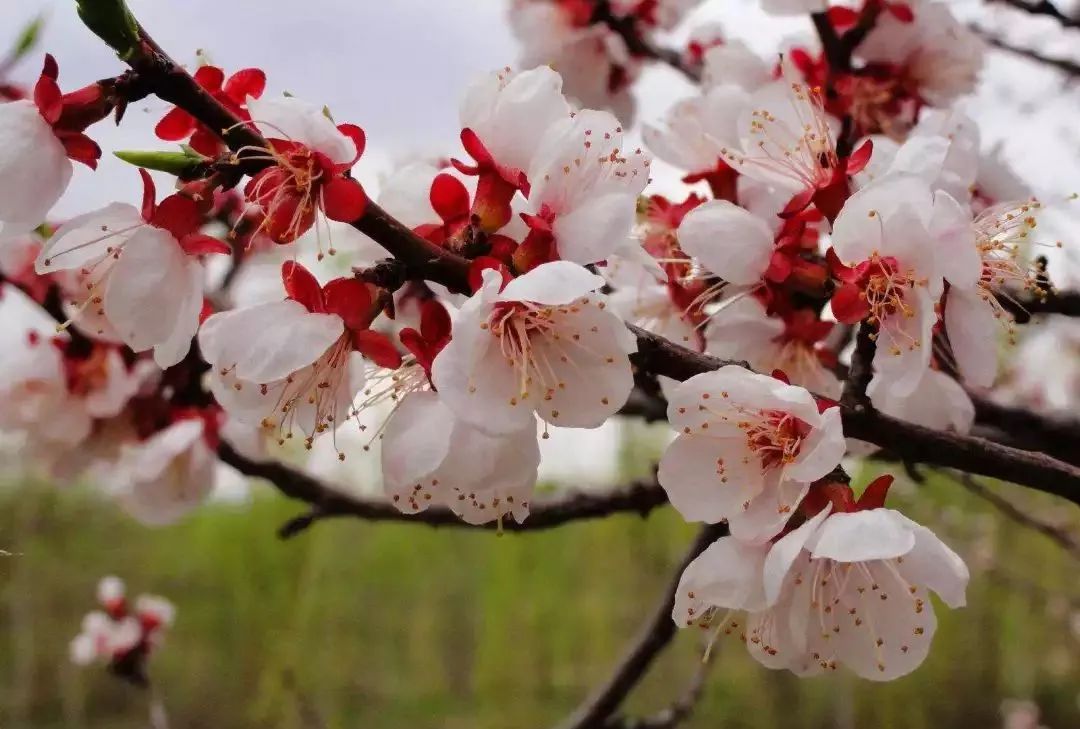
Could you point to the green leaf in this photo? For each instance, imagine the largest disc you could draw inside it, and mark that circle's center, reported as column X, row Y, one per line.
column 111, row 21
column 180, row 164
column 28, row 38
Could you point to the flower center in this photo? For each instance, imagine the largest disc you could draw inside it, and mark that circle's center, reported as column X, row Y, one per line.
column 776, row 437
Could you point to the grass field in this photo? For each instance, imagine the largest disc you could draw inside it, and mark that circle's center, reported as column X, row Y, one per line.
column 380, row 626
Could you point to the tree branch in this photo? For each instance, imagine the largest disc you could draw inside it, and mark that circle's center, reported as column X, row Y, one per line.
column 1066, row 303
column 1042, row 7
column 862, row 368
column 1060, row 536
column 1071, row 68
column 640, row 497
column 655, row 635
column 679, row 711
column 627, row 29
column 1030, row 430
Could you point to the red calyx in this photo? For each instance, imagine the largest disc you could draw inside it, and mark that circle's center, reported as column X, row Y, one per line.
column 495, row 185
column 355, row 302
column 182, row 217
column 233, row 93
column 849, row 303
column 450, row 200
column 722, row 181
column 433, row 335
column 69, row 115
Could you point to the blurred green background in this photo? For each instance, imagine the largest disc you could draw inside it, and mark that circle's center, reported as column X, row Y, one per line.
column 377, row 626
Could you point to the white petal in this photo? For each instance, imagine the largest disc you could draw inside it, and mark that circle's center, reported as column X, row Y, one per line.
column 932, row 564
column 289, row 118
column 555, row 284
column 147, row 288
column 415, row 441
column 689, row 473
column 785, row 551
column 176, row 347
column 594, row 230
column 859, row 231
column 861, row 536
column 958, row 258
column 821, row 451
column 768, row 512
column 269, row 341
column 726, row 575
column 923, row 156
column 89, row 237
column 973, row 330
column 34, row 167
column 904, row 345
column 728, row 240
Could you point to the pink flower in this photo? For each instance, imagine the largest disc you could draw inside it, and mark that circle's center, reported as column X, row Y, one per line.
column 898, row 240
column 584, row 191
column 845, row 588
column 748, row 448
column 138, row 270
column 543, row 344
column 430, row 456
column 295, row 363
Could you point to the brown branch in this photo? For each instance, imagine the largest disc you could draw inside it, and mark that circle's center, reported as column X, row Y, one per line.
column 1042, row 7
column 627, row 28
column 862, row 368
column 1066, row 303
column 1069, row 67
column 640, row 497
column 1060, row 536
column 836, row 54
column 1027, row 429
column 679, row 711
column 600, row 707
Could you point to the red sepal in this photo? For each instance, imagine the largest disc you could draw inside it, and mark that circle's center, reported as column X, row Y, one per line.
column 244, row 83
column 901, row 11
column 782, row 376
column 197, row 244
column 175, row 125
column 210, row 78
column 350, row 299
column 343, row 199
column 449, row 197
column 798, row 203
column 359, row 140
column 177, row 214
column 480, row 264
column 302, row 287
column 377, row 347
column 874, row 495
column 149, row 195
column 49, row 100
column 858, row 159
column 842, row 17
column 848, row 306
column 81, row 148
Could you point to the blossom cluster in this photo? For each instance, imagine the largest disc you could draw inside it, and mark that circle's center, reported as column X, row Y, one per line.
column 823, row 199
column 122, row 634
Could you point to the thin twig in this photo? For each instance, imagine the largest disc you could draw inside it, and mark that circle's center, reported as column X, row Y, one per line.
column 1060, row 536
column 679, row 711
column 1071, row 68
column 639, row 497
column 627, row 28
column 655, row 635
column 1042, row 7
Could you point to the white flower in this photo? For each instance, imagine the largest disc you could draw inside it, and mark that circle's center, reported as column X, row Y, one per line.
column 747, row 449
column 110, row 592
column 155, row 611
column 295, row 364
column 729, row 241
column 937, row 402
column 650, row 306
column 733, row 63
column 103, row 639
column 164, row 477
column 901, row 239
column 742, row 329
column 695, row 130
column 509, row 113
column 144, row 280
column 544, row 344
column 585, row 186
column 429, row 456
column 939, row 54
column 844, row 588
column 974, row 317
column 34, row 169
column 943, row 149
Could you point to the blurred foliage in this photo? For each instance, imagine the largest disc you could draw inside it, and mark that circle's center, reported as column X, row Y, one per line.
column 376, row 626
